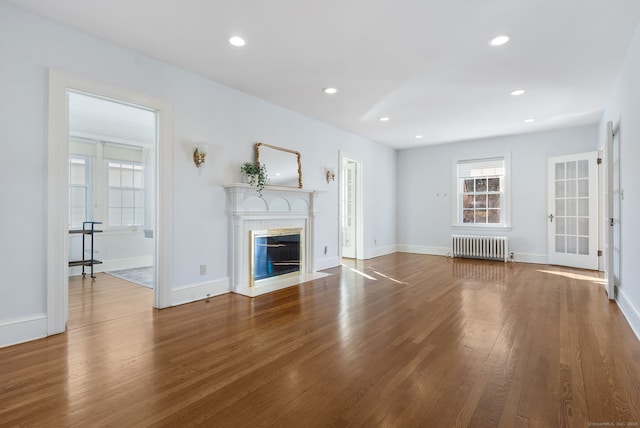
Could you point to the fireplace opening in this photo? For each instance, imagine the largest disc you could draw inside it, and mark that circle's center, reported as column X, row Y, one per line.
column 275, row 253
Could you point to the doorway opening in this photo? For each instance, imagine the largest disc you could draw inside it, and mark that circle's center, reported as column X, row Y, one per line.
column 351, row 207
column 112, row 158
column 67, row 203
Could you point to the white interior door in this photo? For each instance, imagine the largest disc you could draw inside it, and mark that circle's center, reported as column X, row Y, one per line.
column 616, row 224
column 573, row 210
column 613, row 199
column 349, row 214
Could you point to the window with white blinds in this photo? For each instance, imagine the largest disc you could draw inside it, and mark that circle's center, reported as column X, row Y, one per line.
column 482, row 192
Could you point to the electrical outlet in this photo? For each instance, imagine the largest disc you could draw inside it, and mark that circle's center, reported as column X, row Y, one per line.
column 203, row 269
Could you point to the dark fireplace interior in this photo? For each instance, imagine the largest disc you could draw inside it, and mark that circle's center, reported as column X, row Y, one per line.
column 276, row 255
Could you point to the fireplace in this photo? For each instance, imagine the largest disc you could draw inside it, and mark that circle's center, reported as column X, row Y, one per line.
column 262, row 226
column 275, row 253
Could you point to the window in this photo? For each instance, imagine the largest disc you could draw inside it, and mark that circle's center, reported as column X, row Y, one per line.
column 126, row 197
column 113, row 193
column 78, row 191
column 481, row 186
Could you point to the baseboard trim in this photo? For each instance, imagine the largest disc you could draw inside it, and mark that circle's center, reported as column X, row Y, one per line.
column 445, row 251
column 630, row 312
column 193, row 292
column 327, row 263
column 24, row 329
column 540, row 259
column 380, row 251
column 423, row 249
column 114, row 264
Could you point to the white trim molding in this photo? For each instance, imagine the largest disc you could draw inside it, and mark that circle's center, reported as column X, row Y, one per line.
column 380, row 251
column 275, row 208
column 630, row 312
column 202, row 290
column 57, row 193
column 327, row 263
column 446, row 251
column 455, row 197
column 115, row 264
column 57, row 203
column 540, row 259
column 23, row 329
column 423, row 249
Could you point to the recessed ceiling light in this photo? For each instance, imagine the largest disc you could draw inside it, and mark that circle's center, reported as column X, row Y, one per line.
column 418, row 136
column 330, row 91
column 500, row 40
column 237, row 41
column 529, row 120
column 517, row 92
column 384, row 119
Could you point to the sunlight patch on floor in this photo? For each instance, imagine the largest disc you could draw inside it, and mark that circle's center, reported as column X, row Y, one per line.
column 360, row 273
column 389, row 278
column 574, row 276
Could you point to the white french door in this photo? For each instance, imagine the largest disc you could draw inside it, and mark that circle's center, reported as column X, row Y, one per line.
column 573, row 210
column 349, row 214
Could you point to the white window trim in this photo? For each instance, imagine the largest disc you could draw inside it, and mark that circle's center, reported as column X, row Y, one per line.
column 89, row 186
column 98, row 182
column 455, row 218
column 107, row 221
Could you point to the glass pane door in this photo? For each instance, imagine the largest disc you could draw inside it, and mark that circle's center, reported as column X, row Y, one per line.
column 573, row 211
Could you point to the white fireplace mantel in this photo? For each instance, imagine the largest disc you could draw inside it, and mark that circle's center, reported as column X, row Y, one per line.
column 244, row 198
column 277, row 208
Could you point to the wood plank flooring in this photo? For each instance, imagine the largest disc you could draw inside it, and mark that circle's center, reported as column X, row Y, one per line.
column 401, row 341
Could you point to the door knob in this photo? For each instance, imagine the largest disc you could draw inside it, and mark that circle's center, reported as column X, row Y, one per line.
column 551, row 218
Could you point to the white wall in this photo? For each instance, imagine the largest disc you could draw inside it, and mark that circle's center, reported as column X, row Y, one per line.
column 122, row 249
column 204, row 111
column 425, row 175
column 623, row 109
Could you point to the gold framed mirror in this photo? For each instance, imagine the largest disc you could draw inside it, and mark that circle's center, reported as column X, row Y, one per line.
column 283, row 165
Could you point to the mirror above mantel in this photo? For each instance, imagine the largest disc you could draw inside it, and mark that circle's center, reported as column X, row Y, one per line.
column 283, row 165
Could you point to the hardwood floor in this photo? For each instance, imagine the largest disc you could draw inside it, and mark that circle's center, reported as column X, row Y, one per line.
column 105, row 299
column 401, row 340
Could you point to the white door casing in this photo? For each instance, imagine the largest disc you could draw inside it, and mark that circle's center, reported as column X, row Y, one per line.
column 57, row 193
column 573, row 210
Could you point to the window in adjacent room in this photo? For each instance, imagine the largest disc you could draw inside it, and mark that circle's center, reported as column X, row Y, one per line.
column 125, row 194
column 106, row 181
column 79, row 181
column 482, row 192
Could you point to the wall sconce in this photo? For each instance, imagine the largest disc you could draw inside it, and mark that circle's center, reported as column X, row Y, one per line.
column 200, row 154
column 330, row 174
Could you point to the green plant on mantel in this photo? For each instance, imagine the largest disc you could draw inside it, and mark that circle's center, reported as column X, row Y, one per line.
column 256, row 175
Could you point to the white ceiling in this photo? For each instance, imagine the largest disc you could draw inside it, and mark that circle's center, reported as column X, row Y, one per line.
column 105, row 120
column 426, row 64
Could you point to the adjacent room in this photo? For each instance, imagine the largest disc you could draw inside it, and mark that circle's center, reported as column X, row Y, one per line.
column 319, row 214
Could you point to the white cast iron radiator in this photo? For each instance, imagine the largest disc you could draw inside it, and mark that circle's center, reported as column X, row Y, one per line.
column 481, row 247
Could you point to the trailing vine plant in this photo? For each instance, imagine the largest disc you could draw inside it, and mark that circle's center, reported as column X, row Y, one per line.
column 256, row 175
